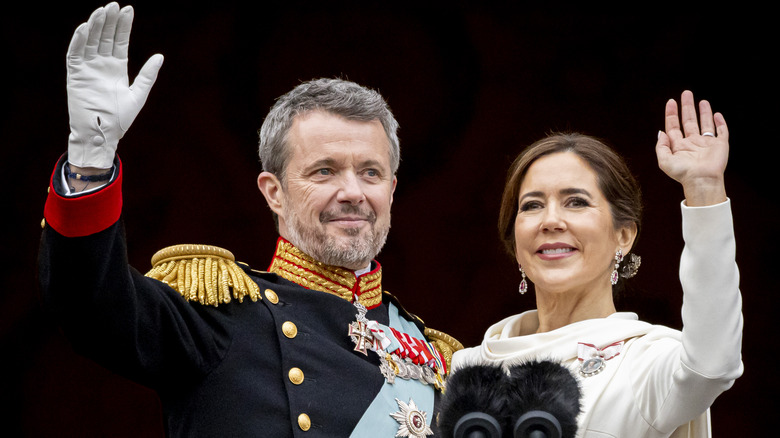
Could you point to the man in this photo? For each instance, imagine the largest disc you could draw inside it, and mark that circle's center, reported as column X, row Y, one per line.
column 313, row 347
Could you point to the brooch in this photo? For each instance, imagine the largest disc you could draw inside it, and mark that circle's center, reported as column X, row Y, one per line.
column 594, row 359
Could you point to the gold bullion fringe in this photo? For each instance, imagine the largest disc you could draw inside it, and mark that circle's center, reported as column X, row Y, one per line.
column 203, row 273
column 446, row 344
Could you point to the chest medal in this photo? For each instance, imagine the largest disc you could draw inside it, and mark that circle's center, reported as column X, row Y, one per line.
column 593, row 360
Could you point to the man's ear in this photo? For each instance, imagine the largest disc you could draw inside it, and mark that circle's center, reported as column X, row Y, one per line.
column 392, row 191
column 271, row 189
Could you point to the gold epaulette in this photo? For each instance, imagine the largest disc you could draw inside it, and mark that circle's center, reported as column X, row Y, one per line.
column 202, row 273
column 446, row 344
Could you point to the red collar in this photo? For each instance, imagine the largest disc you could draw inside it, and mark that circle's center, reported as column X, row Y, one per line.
column 294, row 265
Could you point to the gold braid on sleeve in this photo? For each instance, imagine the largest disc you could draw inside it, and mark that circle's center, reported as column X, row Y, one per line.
column 206, row 274
column 445, row 343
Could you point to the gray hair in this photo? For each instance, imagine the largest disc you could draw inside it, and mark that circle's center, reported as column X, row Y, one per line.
column 336, row 96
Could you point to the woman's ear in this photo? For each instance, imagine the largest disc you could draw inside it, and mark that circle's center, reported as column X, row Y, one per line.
column 626, row 236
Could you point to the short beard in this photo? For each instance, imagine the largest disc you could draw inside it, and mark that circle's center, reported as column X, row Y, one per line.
column 356, row 253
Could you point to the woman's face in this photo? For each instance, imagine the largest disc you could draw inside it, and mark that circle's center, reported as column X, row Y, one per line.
column 564, row 234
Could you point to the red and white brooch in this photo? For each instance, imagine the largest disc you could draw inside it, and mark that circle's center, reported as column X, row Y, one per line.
column 593, row 359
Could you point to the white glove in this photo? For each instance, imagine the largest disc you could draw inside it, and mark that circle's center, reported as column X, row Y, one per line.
column 101, row 104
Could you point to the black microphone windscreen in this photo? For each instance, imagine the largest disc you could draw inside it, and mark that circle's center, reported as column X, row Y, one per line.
column 474, row 388
column 545, row 386
column 506, row 394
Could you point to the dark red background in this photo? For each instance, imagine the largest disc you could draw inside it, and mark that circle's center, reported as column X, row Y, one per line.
column 470, row 87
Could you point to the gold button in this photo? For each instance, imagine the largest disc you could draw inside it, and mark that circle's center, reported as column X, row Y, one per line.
column 289, row 329
column 296, row 375
column 304, row 422
column 43, row 223
column 271, row 296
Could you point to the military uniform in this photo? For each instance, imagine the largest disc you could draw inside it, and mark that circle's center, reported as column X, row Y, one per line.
column 232, row 351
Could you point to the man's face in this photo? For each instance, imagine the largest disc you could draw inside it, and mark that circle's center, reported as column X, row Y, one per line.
column 335, row 205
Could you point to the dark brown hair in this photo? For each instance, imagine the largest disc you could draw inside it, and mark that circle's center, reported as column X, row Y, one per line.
column 615, row 180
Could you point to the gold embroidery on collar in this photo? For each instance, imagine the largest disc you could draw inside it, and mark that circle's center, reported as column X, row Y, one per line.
column 308, row 279
column 293, row 265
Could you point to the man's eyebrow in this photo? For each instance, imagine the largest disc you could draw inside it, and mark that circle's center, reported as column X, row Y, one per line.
column 371, row 163
column 323, row 162
column 331, row 162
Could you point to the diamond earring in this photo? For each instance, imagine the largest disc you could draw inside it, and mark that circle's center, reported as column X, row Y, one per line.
column 523, row 284
column 631, row 266
column 613, row 278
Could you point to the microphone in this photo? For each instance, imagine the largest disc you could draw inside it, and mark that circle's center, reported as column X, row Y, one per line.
column 473, row 405
column 543, row 396
column 534, row 399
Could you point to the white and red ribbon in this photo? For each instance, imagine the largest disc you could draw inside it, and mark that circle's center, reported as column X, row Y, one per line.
column 381, row 341
column 587, row 351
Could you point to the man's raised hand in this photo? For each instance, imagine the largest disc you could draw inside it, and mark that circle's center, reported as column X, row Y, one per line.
column 102, row 104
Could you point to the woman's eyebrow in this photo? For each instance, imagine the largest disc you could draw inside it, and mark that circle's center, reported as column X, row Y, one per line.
column 567, row 191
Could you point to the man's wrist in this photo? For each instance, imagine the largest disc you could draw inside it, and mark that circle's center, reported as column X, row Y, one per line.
column 80, row 179
column 72, row 171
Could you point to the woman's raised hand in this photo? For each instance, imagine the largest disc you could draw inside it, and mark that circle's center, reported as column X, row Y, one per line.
column 694, row 150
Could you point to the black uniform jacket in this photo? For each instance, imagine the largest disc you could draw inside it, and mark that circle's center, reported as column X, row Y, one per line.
column 280, row 366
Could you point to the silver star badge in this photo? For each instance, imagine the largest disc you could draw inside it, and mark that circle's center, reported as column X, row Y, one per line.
column 412, row 421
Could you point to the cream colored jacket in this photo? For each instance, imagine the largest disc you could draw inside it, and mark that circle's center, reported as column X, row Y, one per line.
column 663, row 381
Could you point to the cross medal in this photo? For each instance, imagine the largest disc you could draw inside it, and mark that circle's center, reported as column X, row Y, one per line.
column 359, row 332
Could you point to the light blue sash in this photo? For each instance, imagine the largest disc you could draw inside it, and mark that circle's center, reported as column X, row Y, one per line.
column 376, row 421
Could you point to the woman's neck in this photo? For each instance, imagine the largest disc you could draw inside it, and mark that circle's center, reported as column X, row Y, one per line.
column 556, row 310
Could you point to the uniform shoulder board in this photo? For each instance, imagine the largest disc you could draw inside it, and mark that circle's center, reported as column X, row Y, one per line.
column 202, row 273
column 446, row 344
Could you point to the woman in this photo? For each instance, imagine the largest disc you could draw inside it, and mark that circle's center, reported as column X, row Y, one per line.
column 570, row 214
